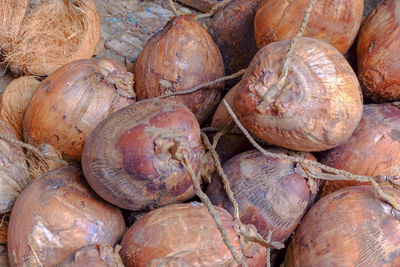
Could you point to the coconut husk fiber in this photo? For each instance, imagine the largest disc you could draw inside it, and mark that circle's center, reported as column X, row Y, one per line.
column 52, row 33
column 4, row 228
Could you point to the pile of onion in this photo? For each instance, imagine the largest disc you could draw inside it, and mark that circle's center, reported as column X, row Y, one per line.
column 334, row 21
column 38, row 37
column 350, row 227
column 180, row 57
column 56, row 215
column 71, row 101
column 185, row 235
column 318, row 106
column 132, row 159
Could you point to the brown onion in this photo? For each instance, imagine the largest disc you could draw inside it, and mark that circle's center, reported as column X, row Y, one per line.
column 319, row 105
column 15, row 100
column 378, row 57
column 373, row 149
column 334, row 21
column 94, row 255
column 56, row 215
column 130, row 158
column 181, row 56
column 73, row 100
column 350, row 227
column 38, row 37
column 185, row 235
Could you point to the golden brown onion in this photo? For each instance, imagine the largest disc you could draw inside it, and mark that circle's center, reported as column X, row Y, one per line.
column 56, row 215
column 15, row 100
column 320, row 103
column 130, row 158
column 377, row 50
column 334, row 21
column 373, row 149
column 52, row 34
column 350, row 227
column 185, row 235
column 181, row 56
column 73, row 100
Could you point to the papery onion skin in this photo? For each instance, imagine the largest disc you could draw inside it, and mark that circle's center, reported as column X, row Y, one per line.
column 320, row 103
column 185, row 234
column 178, row 58
column 378, row 53
column 350, row 227
column 334, row 21
column 72, row 101
column 56, row 215
column 130, row 158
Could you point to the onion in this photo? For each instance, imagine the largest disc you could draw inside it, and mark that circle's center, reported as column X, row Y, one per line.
column 378, row 57
column 56, row 215
column 350, row 227
column 334, row 21
column 46, row 35
column 320, row 103
column 185, row 235
column 181, row 56
column 130, row 158
column 93, row 255
column 15, row 100
column 72, row 101
column 373, row 149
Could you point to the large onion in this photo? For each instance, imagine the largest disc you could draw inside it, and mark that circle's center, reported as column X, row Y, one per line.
column 130, row 159
column 333, row 21
column 350, row 227
column 56, row 215
column 185, row 235
column 319, row 105
column 181, row 56
column 73, row 100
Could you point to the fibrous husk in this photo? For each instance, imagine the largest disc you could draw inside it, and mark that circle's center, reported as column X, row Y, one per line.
column 15, row 100
column 53, row 33
column 40, row 164
column 4, row 256
column 3, row 230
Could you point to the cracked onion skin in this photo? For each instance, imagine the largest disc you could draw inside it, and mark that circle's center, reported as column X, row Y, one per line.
column 180, row 57
column 334, row 21
column 130, row 158
column 373, row 149
column 378, row 53
column 185, row 235
column 56, row 215
column 320, row 103
column 70, row 102
column 350, row 227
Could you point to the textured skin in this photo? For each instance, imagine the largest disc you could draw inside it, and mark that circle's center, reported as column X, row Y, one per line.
column 334, row 21
column 184, row 235
column 378, row 51
column 320, row 103
column 180, row 57
column 350, row 227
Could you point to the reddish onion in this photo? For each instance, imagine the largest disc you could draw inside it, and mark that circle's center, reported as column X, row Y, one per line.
column 319, row 105
column 185, row 235
column 56, row 215
column 334, row 21
column 350, row 227
column 73, row 100
column 130, row 158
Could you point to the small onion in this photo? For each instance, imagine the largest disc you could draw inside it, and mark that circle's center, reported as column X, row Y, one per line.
column 319, row 105
column 373, row 149
column 185, row 235
column 378, row 53
column 130, row 158
column 180, row 57
column 334, row 21
column 350, row 227
column 56, row 215
column 73, row 100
